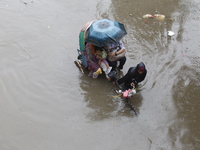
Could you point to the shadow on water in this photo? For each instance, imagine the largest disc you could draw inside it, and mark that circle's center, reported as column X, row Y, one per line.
column 104, row 101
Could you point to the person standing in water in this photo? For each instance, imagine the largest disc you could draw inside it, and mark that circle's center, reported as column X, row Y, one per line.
column 134, row 76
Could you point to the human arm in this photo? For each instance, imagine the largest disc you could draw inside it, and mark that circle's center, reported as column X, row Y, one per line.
column 127, row 78
column 118, row 52
column 126, row 81
column 122, row 48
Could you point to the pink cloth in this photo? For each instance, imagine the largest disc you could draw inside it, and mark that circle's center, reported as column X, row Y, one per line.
column 125, row 94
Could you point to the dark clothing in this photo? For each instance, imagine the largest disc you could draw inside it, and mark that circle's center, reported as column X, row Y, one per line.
column 132, row 76
column 113, row 64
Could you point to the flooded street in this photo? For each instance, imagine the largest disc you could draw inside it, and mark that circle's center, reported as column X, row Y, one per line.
column 46, row 103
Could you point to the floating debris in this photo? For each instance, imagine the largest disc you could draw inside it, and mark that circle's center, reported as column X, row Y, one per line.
column 170, row 33
column 150, row 141
column 158, row 17
column 148, row 16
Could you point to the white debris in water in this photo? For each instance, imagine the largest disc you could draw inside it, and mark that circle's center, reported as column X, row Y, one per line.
column 170, row 33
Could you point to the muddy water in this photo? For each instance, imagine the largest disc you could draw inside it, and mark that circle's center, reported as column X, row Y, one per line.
column 46, row 103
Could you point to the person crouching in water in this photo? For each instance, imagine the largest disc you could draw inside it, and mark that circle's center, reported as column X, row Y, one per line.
column 133, row 77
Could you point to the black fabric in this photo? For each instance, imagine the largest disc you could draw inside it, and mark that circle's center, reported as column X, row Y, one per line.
column 113, row 75
column 113, row 64
column 132, row 76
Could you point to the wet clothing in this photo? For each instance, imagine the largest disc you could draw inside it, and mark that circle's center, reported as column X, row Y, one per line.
column 132, row 76
column 114, row 48
column 93, row 62
column 113, row 64
column 91, row 59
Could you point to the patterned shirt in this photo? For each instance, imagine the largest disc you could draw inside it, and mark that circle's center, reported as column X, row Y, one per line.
column 116, row 46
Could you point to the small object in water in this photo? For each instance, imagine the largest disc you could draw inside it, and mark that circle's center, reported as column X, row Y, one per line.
column 131, row 92
column 147, row 16
column 125, row 93
column 118, row 91
column 159, row 17
column 170, row 33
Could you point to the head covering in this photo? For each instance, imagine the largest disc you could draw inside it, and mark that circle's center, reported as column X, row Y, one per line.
column 141, row 67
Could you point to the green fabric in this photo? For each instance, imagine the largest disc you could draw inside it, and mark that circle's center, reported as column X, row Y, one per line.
column 104, row 54
column 82, row 41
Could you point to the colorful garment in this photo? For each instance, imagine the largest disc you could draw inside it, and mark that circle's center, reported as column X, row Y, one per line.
column 91, row 59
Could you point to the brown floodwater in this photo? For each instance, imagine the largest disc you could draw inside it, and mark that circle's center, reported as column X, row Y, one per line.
column 46, row 103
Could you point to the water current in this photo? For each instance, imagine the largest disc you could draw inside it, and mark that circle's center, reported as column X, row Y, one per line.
column 46, row 103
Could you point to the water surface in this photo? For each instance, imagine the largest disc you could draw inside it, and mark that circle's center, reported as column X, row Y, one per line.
column 46, row 103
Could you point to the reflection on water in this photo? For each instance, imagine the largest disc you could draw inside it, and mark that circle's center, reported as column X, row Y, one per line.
column 172, row 62
column 99, row 95
column 42, row 105
column 186, row 96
